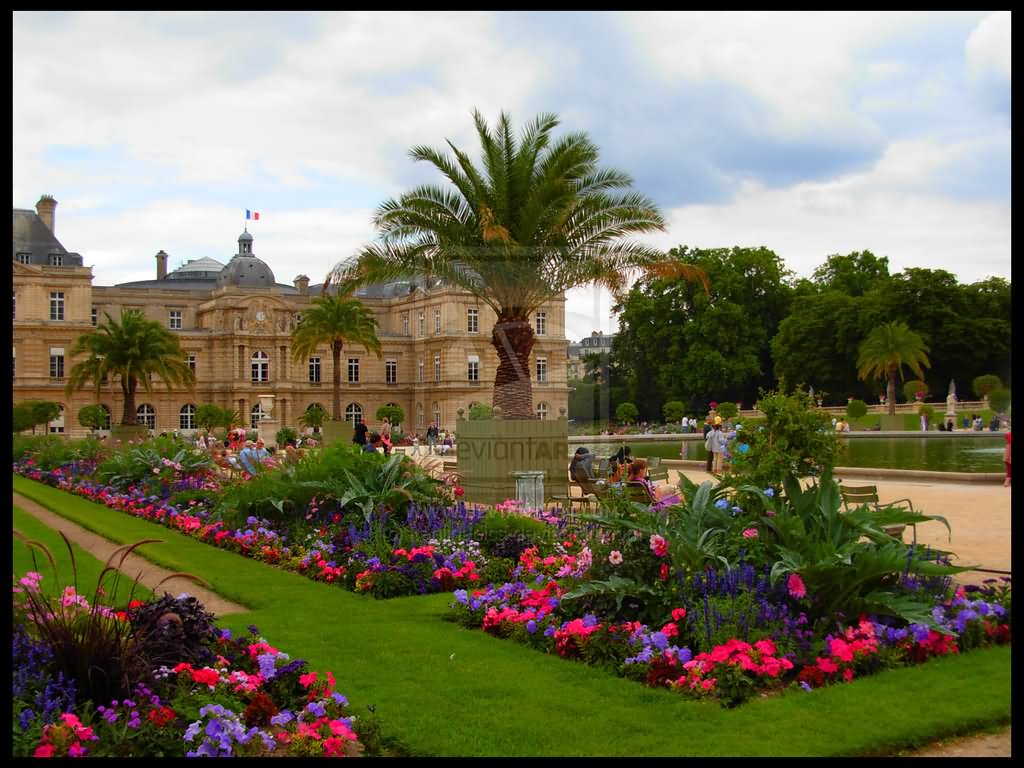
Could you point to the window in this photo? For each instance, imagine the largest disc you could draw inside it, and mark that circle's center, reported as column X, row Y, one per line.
column 255, row 416
column 56, row 305
column 187, row 417
column 106, row 417
column 56, row 426
column 24, row 258
column 56, row 260
column 56, row 363
column 437, row 321
column 405, row 323
column 436, row 409
column 542, row 324
column 421, row 324
column 419, row 371
column 353, row 370
column 174, row 320
column 354, row 413
column 473, row 320
column 419, row 416
column 542, row 411
column 314, row 370
column 95, row 315
column 437, row 369
column 473, row 364
column 145, row 415
column 390, row 371
column 260, row 364
column 542, row 369
column 192, row 362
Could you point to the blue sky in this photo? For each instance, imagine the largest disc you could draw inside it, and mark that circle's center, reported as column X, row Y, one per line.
column 808, row 133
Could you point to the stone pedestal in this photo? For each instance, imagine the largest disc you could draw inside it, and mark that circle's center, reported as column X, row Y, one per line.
column 266, row 430
column 530, row 488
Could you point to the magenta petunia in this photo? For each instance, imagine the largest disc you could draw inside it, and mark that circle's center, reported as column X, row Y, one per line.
column 796, row 587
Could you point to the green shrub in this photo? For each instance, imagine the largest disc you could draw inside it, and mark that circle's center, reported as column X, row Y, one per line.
column 496, row 527
column 285, row 435
column 912, row 387
column 497, row 571
column 92, row 416
column 392, row 413
column 31, row 413
column 626, row 413
column 982, row 385
column 480, row 412
column 999, row 399
column 727, row 410
column 856, row 409
column 673, row 411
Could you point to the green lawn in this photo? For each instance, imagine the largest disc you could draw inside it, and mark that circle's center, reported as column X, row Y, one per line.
column 444, row 690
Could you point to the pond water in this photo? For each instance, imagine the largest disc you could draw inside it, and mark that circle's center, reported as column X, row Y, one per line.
column 953, row 454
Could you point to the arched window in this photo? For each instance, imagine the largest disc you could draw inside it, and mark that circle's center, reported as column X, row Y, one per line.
column 436, row 410
column 255, row 415
column 145, row 414
column 316, row 405
column 260, row 367
column 187, row 417
column 542, row 411
column 56, row 427
column 106, row 418
column 354, row 413
column 419, row 415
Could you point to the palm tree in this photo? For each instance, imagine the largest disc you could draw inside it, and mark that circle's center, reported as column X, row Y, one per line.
column 334, row 320
column 133, row 350
column 538, row 219
column 884, row 353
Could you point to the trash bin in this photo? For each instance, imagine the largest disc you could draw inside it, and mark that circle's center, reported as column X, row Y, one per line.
column 530, row 488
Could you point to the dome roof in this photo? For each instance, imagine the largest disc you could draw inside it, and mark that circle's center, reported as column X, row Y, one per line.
column 197, row 269
column 245, row 236
column 246, row 272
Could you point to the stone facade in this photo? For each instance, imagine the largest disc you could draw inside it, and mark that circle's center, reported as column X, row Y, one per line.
column 237, row 321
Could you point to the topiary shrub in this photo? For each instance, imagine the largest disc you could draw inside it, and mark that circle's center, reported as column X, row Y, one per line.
column 727, row 410
column 983, row 385
column 480, row 412
column 999, row 399
column 673, row 410
column 912, row 387
column 856, row 409
column 626, row 413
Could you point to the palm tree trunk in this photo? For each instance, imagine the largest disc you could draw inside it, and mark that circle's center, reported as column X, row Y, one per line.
column 513, row 392
column 128, row 414
column 336, row 358
column 890, row 391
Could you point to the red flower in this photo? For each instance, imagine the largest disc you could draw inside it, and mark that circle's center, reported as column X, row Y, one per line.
column 664, row 572
column 678, row 613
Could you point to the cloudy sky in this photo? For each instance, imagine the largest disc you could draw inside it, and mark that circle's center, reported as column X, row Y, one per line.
column 808, row 133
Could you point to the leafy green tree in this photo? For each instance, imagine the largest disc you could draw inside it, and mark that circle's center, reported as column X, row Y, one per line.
column 92, row 416
column 677, row 342
column 884, row 353
column 28, row 414
column 285, row 435
column 313, row 418
column 540, row 217
column 999, row 399
column 210, row 416
column 133, row 350
column 626, row 413
column 984, row 384
column 392, row 413
column 727, row 410
column 856, row 409
column 912, row 387
column 853, row 274
column 673, row 411
column 335, row 320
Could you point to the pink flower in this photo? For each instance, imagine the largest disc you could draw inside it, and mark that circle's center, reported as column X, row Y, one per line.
column 750, row 533
column 76, row 750
column 796, row 587
column 658, row 545
column 615, row 558
column 43, row 750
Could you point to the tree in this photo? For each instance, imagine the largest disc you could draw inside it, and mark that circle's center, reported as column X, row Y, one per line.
column 134, row 350
column 984, row 384
column 999, row 399
column 313, row 418
column 334, row 320
column 673, row 411
column 210, row 416
column 884, row 353
column 854, row 274
column 480, row 412
column 912, row 387
column 92, row 416
column 856, row 409
column 539, row 218
column 727, row 410
column 393, row 413
column 30, row 413
column 626, row 413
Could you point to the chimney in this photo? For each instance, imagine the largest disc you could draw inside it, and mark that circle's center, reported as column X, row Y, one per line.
column 161, row 265
column 46, row 208
column 302, row 284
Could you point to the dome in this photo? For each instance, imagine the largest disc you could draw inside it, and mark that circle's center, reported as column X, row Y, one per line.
column 246, row 272
column 197, row 269
column 245, row 236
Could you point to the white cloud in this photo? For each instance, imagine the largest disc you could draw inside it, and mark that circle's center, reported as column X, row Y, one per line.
column 988, row 47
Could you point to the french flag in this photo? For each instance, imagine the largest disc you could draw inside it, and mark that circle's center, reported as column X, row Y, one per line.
column 254, row 215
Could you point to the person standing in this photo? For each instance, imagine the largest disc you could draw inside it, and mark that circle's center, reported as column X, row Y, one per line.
column 432, row 437
column 415, row 444
column 1006, row 460
column 708, row 428
column 715, row 443
column 359, row 434
column 385, row 436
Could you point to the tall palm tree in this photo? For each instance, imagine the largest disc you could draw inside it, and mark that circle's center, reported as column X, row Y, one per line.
column 885, row 351
column 539, row 218
column 133, row 350
column 335, row 320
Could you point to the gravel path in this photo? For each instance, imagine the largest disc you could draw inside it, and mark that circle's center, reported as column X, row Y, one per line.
column 151, row 575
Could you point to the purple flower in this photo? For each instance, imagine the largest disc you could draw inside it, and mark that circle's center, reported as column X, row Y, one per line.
column 805, row 685
column 266, row 663
column 316, row 708
column 920, row 632
column 282, row 718
column 550, row 631
column 659, row 641
column 531, row 626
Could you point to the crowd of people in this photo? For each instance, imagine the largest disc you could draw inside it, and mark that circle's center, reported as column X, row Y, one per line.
column 439, row 440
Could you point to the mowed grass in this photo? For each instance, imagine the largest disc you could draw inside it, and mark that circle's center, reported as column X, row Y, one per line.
column 448, row 691
column 88, row 568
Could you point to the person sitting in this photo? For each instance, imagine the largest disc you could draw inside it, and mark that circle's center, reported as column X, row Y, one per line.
column 372, row 443
column 616, row 470
column 581, row 468
column 665, row 495
column 252, row 456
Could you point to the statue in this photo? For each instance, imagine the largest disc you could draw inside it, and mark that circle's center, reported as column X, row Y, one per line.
column 951, row 399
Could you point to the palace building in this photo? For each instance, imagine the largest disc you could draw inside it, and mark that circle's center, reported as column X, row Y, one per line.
column 235, row 322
